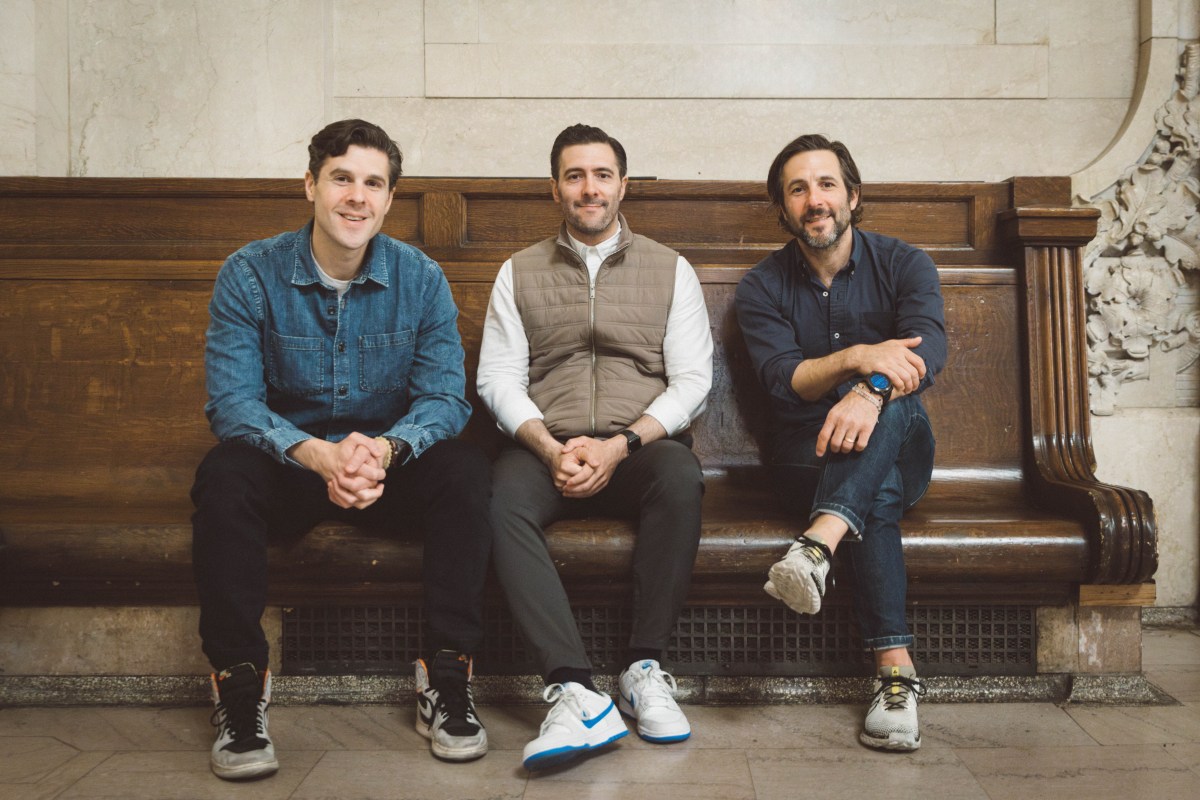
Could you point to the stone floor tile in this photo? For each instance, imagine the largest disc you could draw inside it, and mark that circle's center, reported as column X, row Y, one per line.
column 343, row 728
column 667, row 772
column 392, row 775
column 28, row 759
column 1070, row 773
column 53, row 784
column 1188, row 754
column 999, row 725
column 512, row 727
column 1181, row 681
column 149, row 775
column 836, row 774
column 1169, row 647
column 1127, row 725
column 763, row 727
column 109, row 728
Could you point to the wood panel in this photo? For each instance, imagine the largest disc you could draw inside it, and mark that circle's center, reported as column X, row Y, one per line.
column 105, row 285
column 456, row 220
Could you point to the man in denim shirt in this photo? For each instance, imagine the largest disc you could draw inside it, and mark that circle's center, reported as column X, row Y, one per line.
column 336, row 387
column 845, row 329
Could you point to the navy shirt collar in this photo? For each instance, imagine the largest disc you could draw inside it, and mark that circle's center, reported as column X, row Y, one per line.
column 856, row 253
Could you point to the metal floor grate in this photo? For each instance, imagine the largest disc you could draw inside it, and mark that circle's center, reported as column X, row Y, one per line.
column 709, row 640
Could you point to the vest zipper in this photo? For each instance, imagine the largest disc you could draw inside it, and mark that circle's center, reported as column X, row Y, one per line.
column 592, row 336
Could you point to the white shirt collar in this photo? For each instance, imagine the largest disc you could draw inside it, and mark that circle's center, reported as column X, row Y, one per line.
column 603, row 250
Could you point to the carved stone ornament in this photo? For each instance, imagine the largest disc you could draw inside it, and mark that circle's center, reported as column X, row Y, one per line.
column 1147, row 245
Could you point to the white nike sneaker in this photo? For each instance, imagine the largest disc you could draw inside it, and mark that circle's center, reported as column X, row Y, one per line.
column 647, row 695
column 891, row 722
column 580, row 720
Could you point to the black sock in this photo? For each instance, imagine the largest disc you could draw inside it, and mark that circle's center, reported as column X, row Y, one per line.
column 573, row 674
column 636, row 654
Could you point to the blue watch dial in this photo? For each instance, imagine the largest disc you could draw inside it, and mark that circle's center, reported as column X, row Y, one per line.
column 879, row 381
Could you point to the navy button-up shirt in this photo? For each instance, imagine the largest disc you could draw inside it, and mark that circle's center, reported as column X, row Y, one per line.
column 286, row 359
column 888, row 290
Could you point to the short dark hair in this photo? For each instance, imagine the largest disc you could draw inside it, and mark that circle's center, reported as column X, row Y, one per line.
column 335, row 139
column 805, row 144
column 584, row 134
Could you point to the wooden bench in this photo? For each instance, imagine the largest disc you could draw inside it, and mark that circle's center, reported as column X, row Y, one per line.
column 105, row 288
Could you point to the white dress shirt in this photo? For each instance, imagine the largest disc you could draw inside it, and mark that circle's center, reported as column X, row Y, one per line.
column 503, row 378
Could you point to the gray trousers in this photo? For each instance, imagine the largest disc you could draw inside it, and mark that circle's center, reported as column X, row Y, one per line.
column 660, row 486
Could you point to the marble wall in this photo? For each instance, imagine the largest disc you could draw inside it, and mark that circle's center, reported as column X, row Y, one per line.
column 921, row 90
column 928, row 90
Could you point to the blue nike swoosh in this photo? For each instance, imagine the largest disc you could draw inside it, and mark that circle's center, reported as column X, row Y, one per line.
column 593, row 722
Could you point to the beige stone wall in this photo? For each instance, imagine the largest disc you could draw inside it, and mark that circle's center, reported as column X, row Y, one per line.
column 928, row 90
column 920, row 90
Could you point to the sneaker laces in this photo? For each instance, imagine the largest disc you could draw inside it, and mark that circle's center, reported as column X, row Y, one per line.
column 238, row 714
column 452, row 682
column 816, row 552
column 565, row 702
column 896, row 690
column 455, row 700
column 656, row 688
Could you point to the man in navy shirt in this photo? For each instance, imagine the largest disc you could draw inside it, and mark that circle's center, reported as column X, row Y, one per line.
column 845, row 329
column 336, row 387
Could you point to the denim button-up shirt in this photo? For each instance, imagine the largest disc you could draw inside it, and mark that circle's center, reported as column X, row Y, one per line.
column 287, row 359
column 889, row 290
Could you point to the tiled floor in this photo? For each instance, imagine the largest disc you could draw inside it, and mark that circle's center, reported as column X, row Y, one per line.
column 1034, row 750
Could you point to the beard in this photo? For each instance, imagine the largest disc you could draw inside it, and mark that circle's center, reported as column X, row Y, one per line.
column 578, row 222
column 841, row 223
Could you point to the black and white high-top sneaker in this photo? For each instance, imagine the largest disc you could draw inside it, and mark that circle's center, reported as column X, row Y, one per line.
column 446, row 709
column 243, row 748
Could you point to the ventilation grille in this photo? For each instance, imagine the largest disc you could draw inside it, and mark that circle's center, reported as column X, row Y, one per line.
column 709, row 640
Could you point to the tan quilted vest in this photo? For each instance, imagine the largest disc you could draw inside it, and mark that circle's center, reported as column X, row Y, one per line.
column 595, row 364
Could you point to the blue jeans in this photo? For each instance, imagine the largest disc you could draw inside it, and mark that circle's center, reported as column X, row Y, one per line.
column 870, row 491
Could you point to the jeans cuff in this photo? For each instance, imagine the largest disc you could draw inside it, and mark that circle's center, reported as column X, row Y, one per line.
column 842, row 513
column 887, row 642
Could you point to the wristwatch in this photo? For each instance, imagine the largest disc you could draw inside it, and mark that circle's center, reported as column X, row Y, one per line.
column 632, row 439
column 879, row 385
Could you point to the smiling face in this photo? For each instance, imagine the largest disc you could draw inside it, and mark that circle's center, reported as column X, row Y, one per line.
column 816, row 204
column 350, row 198
column 589, row 187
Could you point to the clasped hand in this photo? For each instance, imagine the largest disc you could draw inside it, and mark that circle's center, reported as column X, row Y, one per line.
column 352, row 468
column 585, row 465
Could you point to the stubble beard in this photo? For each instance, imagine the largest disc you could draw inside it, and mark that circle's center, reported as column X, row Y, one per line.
column 841, row 224
column 606, row 219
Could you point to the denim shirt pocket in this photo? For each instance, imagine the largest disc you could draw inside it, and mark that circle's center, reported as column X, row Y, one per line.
column 296, row 364
column 385, row 360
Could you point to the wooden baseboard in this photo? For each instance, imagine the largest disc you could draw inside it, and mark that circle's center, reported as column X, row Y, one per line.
column 1137, row 594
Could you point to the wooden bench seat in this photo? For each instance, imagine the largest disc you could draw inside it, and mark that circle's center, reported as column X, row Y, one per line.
column 105, row 288
column 992, row 538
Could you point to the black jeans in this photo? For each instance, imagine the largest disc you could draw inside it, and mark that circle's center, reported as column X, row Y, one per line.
column 244, row 498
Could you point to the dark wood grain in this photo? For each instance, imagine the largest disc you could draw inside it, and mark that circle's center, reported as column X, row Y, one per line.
column 105, row 285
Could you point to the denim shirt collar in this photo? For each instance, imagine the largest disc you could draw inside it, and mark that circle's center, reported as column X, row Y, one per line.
column 304, row 272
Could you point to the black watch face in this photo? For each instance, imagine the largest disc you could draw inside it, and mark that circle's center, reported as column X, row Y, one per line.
column 879, row 382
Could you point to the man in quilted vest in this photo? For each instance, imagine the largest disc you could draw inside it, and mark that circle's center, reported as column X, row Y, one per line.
column 596, row 357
